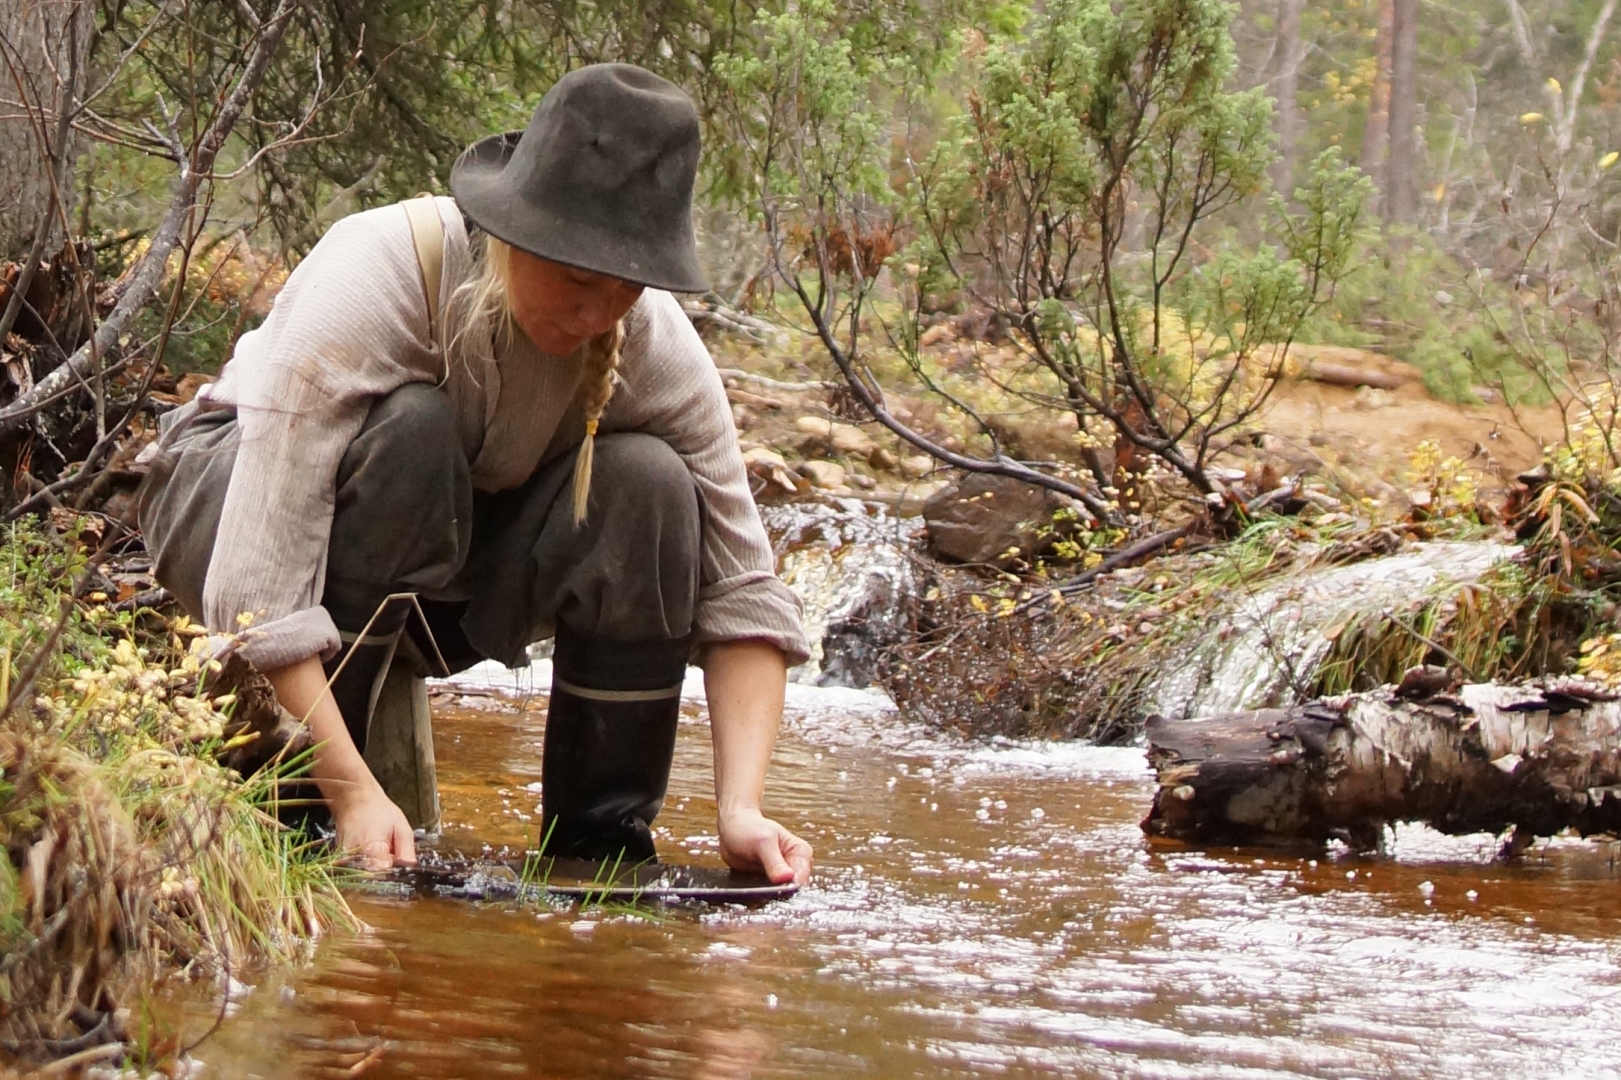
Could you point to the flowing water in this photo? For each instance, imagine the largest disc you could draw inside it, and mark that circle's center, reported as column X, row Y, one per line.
column 850, row 565
column 976, row 910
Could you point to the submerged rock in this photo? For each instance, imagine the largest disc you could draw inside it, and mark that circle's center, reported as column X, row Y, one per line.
column 850, row 563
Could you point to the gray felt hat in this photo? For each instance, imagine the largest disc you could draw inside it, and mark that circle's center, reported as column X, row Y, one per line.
column 601, row 178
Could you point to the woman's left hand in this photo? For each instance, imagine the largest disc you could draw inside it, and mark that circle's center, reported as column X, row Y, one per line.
column 750, row 841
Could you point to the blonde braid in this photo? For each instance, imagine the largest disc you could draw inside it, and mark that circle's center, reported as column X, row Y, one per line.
column 603, row 367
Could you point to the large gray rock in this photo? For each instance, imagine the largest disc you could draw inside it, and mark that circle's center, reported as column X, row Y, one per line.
column 990, row 519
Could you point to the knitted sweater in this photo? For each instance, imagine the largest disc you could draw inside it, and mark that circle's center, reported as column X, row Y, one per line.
column 351, row 324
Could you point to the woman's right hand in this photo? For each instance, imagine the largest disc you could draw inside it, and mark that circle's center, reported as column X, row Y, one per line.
column 375, row 830
column 368, row 823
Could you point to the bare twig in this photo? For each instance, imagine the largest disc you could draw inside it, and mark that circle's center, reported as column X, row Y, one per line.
column 56, row 149
column 1573, row 100
column 1143, row 548
column 89, row 468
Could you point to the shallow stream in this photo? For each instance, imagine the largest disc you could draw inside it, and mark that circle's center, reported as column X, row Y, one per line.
column 976, row 910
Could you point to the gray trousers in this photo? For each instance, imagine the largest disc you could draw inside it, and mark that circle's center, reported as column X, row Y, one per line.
column 508, row 568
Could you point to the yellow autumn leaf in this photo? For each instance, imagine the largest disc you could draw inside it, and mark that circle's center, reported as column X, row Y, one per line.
column 1553, row 86
column 1530, row 117
column 1609, row 159
column 977, row 602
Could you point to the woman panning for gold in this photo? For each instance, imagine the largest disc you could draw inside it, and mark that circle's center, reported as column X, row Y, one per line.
column 543, row 449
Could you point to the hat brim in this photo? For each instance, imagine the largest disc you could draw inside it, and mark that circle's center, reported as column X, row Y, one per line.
column 481, row 187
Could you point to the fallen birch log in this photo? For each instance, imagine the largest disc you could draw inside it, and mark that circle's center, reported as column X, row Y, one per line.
column 1541, row 756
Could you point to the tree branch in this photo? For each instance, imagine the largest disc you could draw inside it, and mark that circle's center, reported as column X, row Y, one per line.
column 1567, row 123
column 148, row 274
column 1002, row 467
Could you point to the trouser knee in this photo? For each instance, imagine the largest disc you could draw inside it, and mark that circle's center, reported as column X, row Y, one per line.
column 622, row 640
column 402, row 513
column 636, row 575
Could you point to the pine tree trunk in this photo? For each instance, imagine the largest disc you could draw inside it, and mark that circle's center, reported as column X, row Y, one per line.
column 44, row 45
column 1401, row 180
column 1287, row 88
column 1376, row 132
column 1540, row 757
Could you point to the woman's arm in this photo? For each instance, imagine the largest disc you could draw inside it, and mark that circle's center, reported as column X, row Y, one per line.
column 367, row 821
column 744, row 681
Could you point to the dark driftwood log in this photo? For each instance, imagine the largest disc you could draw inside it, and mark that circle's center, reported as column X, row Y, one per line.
column 1543, row 757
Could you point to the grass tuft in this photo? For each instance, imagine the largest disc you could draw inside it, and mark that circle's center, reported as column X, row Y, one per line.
column 129, row 851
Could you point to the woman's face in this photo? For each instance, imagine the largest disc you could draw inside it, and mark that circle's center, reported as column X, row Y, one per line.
column 560, row 306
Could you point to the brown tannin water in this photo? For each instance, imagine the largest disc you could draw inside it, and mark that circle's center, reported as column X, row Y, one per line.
column 977, row 910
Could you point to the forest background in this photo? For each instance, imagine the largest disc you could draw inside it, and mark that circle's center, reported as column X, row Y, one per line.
column 1484, row 127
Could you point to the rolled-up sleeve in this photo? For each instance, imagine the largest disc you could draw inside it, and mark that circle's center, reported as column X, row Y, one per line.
column 673, row 391
column 268, row 569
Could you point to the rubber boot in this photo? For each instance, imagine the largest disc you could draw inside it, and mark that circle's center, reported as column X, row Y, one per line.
column 357, row 671
column 610, row 739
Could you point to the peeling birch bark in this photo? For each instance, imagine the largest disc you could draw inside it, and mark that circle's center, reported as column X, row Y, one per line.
column 1540, row 756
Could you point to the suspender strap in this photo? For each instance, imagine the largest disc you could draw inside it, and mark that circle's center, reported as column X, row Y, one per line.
column 428, row 233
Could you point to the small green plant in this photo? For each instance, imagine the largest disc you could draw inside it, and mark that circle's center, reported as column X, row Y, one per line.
column 1070, row 195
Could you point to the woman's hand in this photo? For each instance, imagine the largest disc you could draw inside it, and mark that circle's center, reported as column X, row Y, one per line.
column 750, row 841
column 368, row 823
column 373, row 828
column 744, row 682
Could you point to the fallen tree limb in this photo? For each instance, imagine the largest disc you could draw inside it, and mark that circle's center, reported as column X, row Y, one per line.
column 776, row 384
column 731, row 320
column 1148, row 545
column 1350, row 377
column 1542, row 757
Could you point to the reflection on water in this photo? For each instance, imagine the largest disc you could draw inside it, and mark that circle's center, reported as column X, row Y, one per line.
column 977, row 910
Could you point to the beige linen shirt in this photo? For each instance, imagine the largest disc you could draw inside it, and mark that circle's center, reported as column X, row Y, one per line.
column 350, row 325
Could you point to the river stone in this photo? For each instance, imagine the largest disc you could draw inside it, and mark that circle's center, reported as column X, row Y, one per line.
column 827, row 475
column 768, row 465
column 831, row 435
column 917, row 465
column 990, row 519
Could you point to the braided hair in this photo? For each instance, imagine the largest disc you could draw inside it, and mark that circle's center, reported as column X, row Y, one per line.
column 601, row 376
